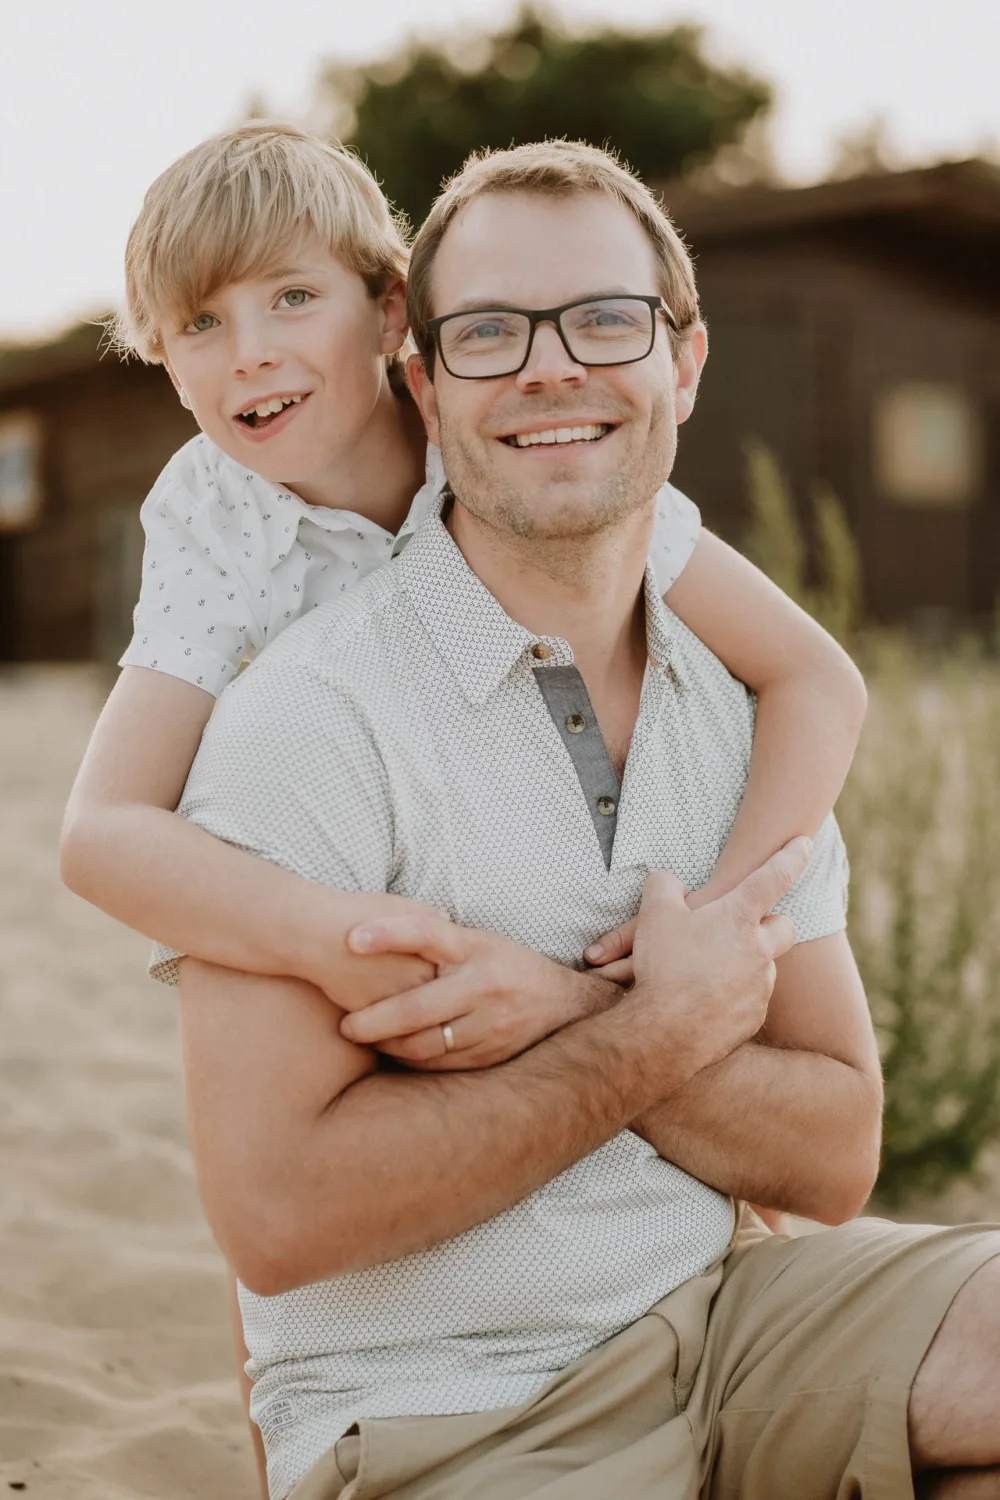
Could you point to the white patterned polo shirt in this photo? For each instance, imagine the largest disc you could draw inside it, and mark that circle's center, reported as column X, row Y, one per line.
column 414, row 738
column 231, row 559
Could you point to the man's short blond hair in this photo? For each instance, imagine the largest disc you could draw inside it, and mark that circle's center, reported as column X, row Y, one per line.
column 557, row 169
column 227, row 210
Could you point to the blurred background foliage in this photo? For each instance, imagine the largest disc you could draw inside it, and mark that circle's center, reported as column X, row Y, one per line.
column 654, row 95
column 921, row 818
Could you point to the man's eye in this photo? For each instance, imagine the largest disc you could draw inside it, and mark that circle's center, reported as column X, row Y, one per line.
column 485, row 331
column 202, row 323
column 297, row 297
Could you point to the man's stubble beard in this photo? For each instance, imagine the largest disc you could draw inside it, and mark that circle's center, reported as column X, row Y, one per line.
column 590, row 511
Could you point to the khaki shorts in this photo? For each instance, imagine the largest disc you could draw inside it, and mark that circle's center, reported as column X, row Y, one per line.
column 782, row 1373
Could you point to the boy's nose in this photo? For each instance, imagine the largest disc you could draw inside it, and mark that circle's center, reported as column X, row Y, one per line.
column 251, row 350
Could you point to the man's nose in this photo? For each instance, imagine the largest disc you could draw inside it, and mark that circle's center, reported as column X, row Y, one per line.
column 550, row 362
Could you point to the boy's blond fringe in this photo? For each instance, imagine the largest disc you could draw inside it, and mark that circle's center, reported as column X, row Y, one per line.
column 225, row 211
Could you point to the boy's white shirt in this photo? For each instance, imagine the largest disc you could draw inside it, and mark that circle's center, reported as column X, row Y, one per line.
column 232, row 558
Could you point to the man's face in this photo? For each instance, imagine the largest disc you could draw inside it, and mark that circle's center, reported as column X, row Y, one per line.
column 526, row 251
column 282, row 371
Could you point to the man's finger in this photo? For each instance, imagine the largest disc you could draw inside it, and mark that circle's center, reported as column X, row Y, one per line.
column 611, row 945
column 432, row 1004
column 778, row 935
column 433, row 938
column 757, row 894
column 662, row 888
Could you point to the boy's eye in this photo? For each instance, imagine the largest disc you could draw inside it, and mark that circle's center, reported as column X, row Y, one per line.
column 297, row 297
column 202, row 323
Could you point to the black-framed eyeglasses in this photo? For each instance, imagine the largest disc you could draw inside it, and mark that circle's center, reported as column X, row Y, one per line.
column 488, row 342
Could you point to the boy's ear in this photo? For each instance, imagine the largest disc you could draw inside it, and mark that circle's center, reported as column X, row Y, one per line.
column 182, row 393
column 395, row 325
column 424, row 395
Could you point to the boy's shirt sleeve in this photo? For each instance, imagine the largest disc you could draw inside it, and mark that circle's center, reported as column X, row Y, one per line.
column 675, row 535
column 201, row 606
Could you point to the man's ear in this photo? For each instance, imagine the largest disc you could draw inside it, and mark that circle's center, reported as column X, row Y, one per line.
column 182, row 393
column 395, row 325
column 422, row 390
column 689, row 363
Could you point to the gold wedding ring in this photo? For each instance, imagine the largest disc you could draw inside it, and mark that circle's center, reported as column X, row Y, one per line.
column 449, row 1038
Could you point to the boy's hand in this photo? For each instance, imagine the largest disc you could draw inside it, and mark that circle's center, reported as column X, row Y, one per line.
column 612, row 951
column 353, row 981
column 491, row 1000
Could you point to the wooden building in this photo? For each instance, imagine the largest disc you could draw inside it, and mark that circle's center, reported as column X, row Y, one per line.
column 855, row 328
column 82, row 437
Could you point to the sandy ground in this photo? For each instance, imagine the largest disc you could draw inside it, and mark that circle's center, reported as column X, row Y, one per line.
column 116, row 1376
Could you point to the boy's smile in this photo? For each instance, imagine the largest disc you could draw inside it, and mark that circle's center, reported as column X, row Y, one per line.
column 262, row 416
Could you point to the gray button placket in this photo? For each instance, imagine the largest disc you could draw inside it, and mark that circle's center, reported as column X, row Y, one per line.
column 568, row 701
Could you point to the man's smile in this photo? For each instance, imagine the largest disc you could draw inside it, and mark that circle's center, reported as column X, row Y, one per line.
column 590, row 432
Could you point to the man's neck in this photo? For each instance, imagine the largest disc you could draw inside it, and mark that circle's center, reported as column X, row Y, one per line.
column 588, row 591
column 380, row 475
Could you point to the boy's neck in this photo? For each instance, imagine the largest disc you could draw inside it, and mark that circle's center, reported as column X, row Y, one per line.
column 381, row 474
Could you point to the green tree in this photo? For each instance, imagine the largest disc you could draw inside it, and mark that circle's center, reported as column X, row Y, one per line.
column 654, row 96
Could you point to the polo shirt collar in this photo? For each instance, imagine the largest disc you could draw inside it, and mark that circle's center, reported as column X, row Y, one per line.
column 473, row 632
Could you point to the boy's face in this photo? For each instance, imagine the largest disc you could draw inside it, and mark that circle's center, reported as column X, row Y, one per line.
column 525, row 250
column 283, row 371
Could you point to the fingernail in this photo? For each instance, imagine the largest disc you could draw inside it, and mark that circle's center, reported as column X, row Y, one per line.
column 595, row 950
column 360, row 940
column 347, row 1029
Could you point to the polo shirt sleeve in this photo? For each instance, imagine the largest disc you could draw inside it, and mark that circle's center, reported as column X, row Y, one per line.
column 288, row 771
column 675, row 535
column 817, row 902
column 200, row 606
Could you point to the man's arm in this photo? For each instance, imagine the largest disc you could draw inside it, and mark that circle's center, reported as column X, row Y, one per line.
column 312, row 1163
column 791, row 1119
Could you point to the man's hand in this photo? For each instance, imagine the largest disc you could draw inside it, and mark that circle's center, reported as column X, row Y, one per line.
column 495, row 997
column 708, row 975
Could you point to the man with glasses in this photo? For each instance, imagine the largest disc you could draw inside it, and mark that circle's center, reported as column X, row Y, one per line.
column 532, row 1280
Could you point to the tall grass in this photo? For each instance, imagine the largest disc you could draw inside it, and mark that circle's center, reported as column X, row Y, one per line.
column 921, row 818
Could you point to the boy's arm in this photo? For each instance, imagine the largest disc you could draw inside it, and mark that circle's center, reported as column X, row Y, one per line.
column 126, row 850
column 811, row 701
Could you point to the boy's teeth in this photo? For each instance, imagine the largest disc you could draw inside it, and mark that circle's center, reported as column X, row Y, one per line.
column 272, row 407
column 560, row 435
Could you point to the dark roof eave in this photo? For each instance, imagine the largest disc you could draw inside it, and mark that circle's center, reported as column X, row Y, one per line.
column 969, row 190
column 80, row 348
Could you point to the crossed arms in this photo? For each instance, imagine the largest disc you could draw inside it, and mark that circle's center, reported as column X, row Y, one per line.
column 314, row 1160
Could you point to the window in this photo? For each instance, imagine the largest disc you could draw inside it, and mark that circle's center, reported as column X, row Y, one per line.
column 928, row 445
column 20, row 470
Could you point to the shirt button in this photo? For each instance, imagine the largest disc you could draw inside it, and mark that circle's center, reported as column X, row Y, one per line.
column 540, row 651
column 605, row 806
column 576, row 723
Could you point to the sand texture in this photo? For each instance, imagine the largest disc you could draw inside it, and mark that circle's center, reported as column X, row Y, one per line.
column 116, row 1376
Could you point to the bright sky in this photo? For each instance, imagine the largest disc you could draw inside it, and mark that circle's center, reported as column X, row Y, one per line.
column 97, row 98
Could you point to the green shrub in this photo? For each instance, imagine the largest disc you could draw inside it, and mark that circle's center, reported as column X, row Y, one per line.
column 921, row 818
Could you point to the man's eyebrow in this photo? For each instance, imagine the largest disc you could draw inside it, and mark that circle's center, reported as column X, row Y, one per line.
column 503, row 304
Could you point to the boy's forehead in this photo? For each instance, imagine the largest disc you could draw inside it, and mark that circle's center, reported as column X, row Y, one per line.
column 532, row 250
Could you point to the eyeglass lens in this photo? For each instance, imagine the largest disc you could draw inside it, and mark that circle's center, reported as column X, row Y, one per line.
column 606, row 331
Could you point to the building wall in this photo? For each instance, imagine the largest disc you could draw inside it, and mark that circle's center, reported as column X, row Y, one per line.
column 108, row 431
column 806, row 336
